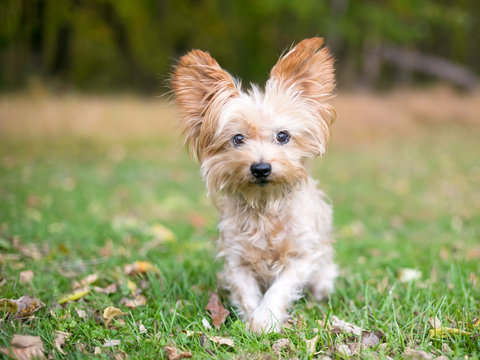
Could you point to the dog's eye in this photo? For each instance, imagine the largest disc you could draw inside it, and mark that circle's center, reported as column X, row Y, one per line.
column 238, row 139
column 283, row 137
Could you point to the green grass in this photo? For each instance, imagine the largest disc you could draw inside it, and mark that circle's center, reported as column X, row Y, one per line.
column 400, row 202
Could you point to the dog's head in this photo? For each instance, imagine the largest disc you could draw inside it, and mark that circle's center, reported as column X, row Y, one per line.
column 255, row 143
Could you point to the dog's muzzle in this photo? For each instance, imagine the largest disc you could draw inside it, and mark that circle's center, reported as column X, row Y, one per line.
column 261, row 170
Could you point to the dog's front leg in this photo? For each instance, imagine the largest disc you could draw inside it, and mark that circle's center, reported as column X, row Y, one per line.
column 245, row 292
column 287, row 288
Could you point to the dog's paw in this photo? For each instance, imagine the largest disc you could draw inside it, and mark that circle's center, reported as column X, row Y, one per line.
column 264, row 321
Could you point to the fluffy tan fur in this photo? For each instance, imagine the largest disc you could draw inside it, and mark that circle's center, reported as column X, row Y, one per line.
column 274, row 235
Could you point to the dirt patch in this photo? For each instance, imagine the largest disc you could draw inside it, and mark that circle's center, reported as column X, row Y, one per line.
column 361, row 116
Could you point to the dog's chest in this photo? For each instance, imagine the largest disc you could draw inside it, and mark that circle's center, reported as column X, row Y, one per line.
column 264, row 244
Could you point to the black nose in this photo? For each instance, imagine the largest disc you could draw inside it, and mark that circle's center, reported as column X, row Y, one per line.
column 261, row 170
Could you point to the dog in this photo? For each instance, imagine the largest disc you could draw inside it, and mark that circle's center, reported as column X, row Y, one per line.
column 253, row 146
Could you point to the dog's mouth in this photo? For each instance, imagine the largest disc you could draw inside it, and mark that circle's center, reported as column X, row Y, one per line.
column 261, row 182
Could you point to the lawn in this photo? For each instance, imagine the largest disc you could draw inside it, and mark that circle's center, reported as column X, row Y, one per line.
column 90, row 185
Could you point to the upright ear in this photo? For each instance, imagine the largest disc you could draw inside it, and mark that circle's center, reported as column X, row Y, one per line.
column 308, row 69
column 201, row 87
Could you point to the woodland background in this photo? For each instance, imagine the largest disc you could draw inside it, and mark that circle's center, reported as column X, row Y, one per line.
column 106, row 45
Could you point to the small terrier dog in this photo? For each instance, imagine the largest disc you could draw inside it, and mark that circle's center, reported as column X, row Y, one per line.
column 275, row 226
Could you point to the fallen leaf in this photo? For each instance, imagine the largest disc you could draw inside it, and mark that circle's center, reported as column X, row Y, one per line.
column 142, row 329
column 222, row 341
column 97, row 351
column 140, row 267
column 60, row 340
column 434, row 322
column 442, row 332
column 190, row 333
column 477, row 323
column 206, row 324
column 111, row 312
column 281, row 344
column 81, row 313
column 110, row 289
column 371, row 338
column 25, row 347
column 407, row 275
column 473, row 254
column 338, row 325
column 411, row 354
column 311, row 345
column 30, row 250
column 174, row 354
column 76, row 295
column 346, row 350
column 23, row 307
column 162, row 233
column 88, row 280
column 217, row 311
column 26, row 276
column 81, row 347
column 139, row 300
column 120, row 355
column 111, row 343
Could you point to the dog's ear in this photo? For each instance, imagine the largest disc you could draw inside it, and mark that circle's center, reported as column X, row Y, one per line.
column 307, row 67
column 201, row 87
column 307, row 70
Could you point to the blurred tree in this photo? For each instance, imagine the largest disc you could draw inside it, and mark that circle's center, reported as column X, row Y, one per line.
column 118, row 44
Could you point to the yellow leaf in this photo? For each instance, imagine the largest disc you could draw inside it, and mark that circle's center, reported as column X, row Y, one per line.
column 140, row 267
column 109, row 313
column 74, row 296
column 132, row 286
column 163, row 233
column 477, row 323
column 442, row 332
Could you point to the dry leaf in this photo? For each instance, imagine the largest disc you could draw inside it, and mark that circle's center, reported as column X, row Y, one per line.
column 407, row 275
column 110, row 289
column 343, row 326
column 206, row 324
column 60, row 340
column 109, row 313
column 26, row 276
column 111, row 343
column 174, row 354
column 222, row 341
column 311, row 344
column 139, row 300
column 281, row 344
column 346, row 350
column 132, row 287
column 411, row 354
column 142, row 329
column 162, row 233
column 25, row 347
column 434, row 322
column 371, row 338
column 30, row 250
column 88, row 280
column 97, row 351
column 76, row 295
column 120, row 355
column 473, row 254
column 23, row 307
column 477, row 323
column 140, row 267
column 217, row 311
column 190, row 333
column 442, row 332
column 81, row 313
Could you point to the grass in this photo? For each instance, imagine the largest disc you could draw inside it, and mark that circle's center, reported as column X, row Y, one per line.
column 88, row 203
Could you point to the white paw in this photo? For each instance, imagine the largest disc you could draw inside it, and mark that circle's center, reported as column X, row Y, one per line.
column 264, row 321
